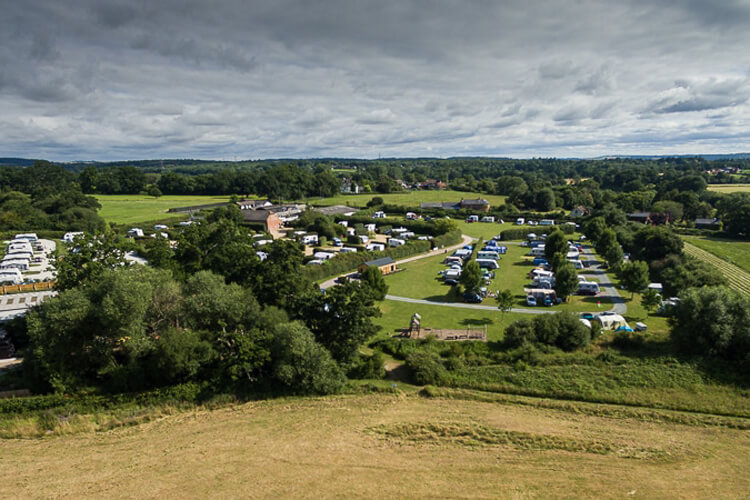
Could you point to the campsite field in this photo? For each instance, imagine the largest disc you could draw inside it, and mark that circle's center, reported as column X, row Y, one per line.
column 134, row 209
column 409, row 198
column 729, row 188
column 391, row 445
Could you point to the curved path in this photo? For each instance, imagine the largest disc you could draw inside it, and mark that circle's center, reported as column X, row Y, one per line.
column 608, row 288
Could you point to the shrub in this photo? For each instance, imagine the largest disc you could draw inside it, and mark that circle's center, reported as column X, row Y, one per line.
column 426, row 368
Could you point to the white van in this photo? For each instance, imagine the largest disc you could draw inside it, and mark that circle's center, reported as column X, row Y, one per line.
column 464, row 253
column 452, row 274
column 487, row 218
column 487, row 264
column 310, row 239
column 520, row 221
column 26, row 236
column 472, row 218
column 577, row 264
column 588, row 288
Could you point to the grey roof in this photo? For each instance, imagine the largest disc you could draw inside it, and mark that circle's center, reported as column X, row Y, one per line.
column 478, row 201
column 336, row 210
column 380, row 262
column 449, row 205
column 707, row 221
column 258, row 215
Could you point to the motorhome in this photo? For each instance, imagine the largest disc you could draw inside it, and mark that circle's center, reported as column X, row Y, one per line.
column 26, row 236
column 411, row 216
column 395, row 242
column 464, row 253
column 309, row 239
column 453, row 260
column 452, row 274
column 324, row 255
column 12, row 276
column 538, row 251
column 375, row 247
column 487, row 218
column 577, row 264
column 472, row 218
column 347, row 250
column 24, row 247
column 135, row 232
column 546, row 222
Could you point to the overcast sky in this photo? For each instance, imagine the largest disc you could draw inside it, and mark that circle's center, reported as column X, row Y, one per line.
column 226, row 79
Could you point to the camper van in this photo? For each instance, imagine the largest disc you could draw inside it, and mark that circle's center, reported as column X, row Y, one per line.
column 375, row 247
column 12, row 276
column 324, row 255
column 395, row 242
column 411, row 216
column 26, row 236
column 577, row 264
column 472, row 218
column 520, row 221
column 347, row 250
column 588, row 288
column 546, row 222
column 464, row 253
column 538, row 251
column 487, row 264
column 309, row 239
column 453, row 259
column 487, row 218
column 452, row 274
column 135, row 232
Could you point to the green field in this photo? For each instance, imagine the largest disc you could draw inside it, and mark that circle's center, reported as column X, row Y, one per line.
column 134, row 209
column 733, row 251
column 729, row 188
column 408, row 198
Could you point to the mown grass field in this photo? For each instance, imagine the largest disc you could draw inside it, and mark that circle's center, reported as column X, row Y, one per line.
column 391, row 446
column 409, row 198
column 729, row 188
column 733, row 251
column 737, row 277
column 134, row 209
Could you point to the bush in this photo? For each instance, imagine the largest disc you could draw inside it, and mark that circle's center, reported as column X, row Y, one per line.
column 368, row 367
column 562, row 330
column 426, row 368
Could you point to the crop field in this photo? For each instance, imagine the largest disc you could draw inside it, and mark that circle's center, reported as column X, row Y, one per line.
column 729, row 188
column 134, row 209
column 733, row 251
column 409, row 198
column 738, row 278
column 391, row 445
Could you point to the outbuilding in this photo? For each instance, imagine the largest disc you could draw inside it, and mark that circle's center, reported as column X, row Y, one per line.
column 386, row 265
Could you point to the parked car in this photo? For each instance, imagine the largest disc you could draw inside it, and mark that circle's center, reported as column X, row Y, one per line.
column 451, row 282
column 472, row 297
column 531, row 301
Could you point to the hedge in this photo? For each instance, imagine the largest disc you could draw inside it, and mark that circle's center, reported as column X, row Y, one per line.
column 521, row 232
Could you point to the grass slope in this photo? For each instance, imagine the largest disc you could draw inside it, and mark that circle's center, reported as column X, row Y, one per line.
column 380, row 446
column 729, row 188
column 733, row 251
column 134, row 209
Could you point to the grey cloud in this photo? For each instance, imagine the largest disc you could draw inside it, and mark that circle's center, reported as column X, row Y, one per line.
column 132, row 78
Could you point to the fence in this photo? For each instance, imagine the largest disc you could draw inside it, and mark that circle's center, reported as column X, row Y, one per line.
column 29, row 287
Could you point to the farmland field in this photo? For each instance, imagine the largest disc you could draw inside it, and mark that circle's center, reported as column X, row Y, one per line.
column 729, row 188
column 733, row 251
column 135, row 208
column 391, row 445
column 411, row 198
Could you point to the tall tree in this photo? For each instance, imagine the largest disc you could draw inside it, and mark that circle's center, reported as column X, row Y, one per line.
column 634, row 276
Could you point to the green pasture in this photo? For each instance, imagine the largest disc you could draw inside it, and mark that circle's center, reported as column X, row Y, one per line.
column 729, row 188
column 736, row 252
column 408, row 198
column 134, row 208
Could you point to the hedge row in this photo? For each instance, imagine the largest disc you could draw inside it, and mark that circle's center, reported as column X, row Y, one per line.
column 447, row 239
column 521, row 232
column 345, row 262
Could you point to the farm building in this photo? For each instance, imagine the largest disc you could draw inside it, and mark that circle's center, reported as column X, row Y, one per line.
column 713, row 224
column 270, row 221
column 386, row 265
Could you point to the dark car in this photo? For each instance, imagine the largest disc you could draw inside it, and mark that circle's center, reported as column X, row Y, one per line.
column 474, row 298
column 451, row 282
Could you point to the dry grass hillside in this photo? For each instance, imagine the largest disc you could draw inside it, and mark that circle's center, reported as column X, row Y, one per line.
column 392, row 445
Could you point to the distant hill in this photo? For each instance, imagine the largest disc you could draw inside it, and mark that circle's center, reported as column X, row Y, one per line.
column 16, row 162
column 709, row 157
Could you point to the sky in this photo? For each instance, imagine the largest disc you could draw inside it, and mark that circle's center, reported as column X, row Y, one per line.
column 248, row 79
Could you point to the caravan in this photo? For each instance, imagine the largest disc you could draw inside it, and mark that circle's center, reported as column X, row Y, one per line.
column 487, row 264
column 588, row 288
column 611, row 321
